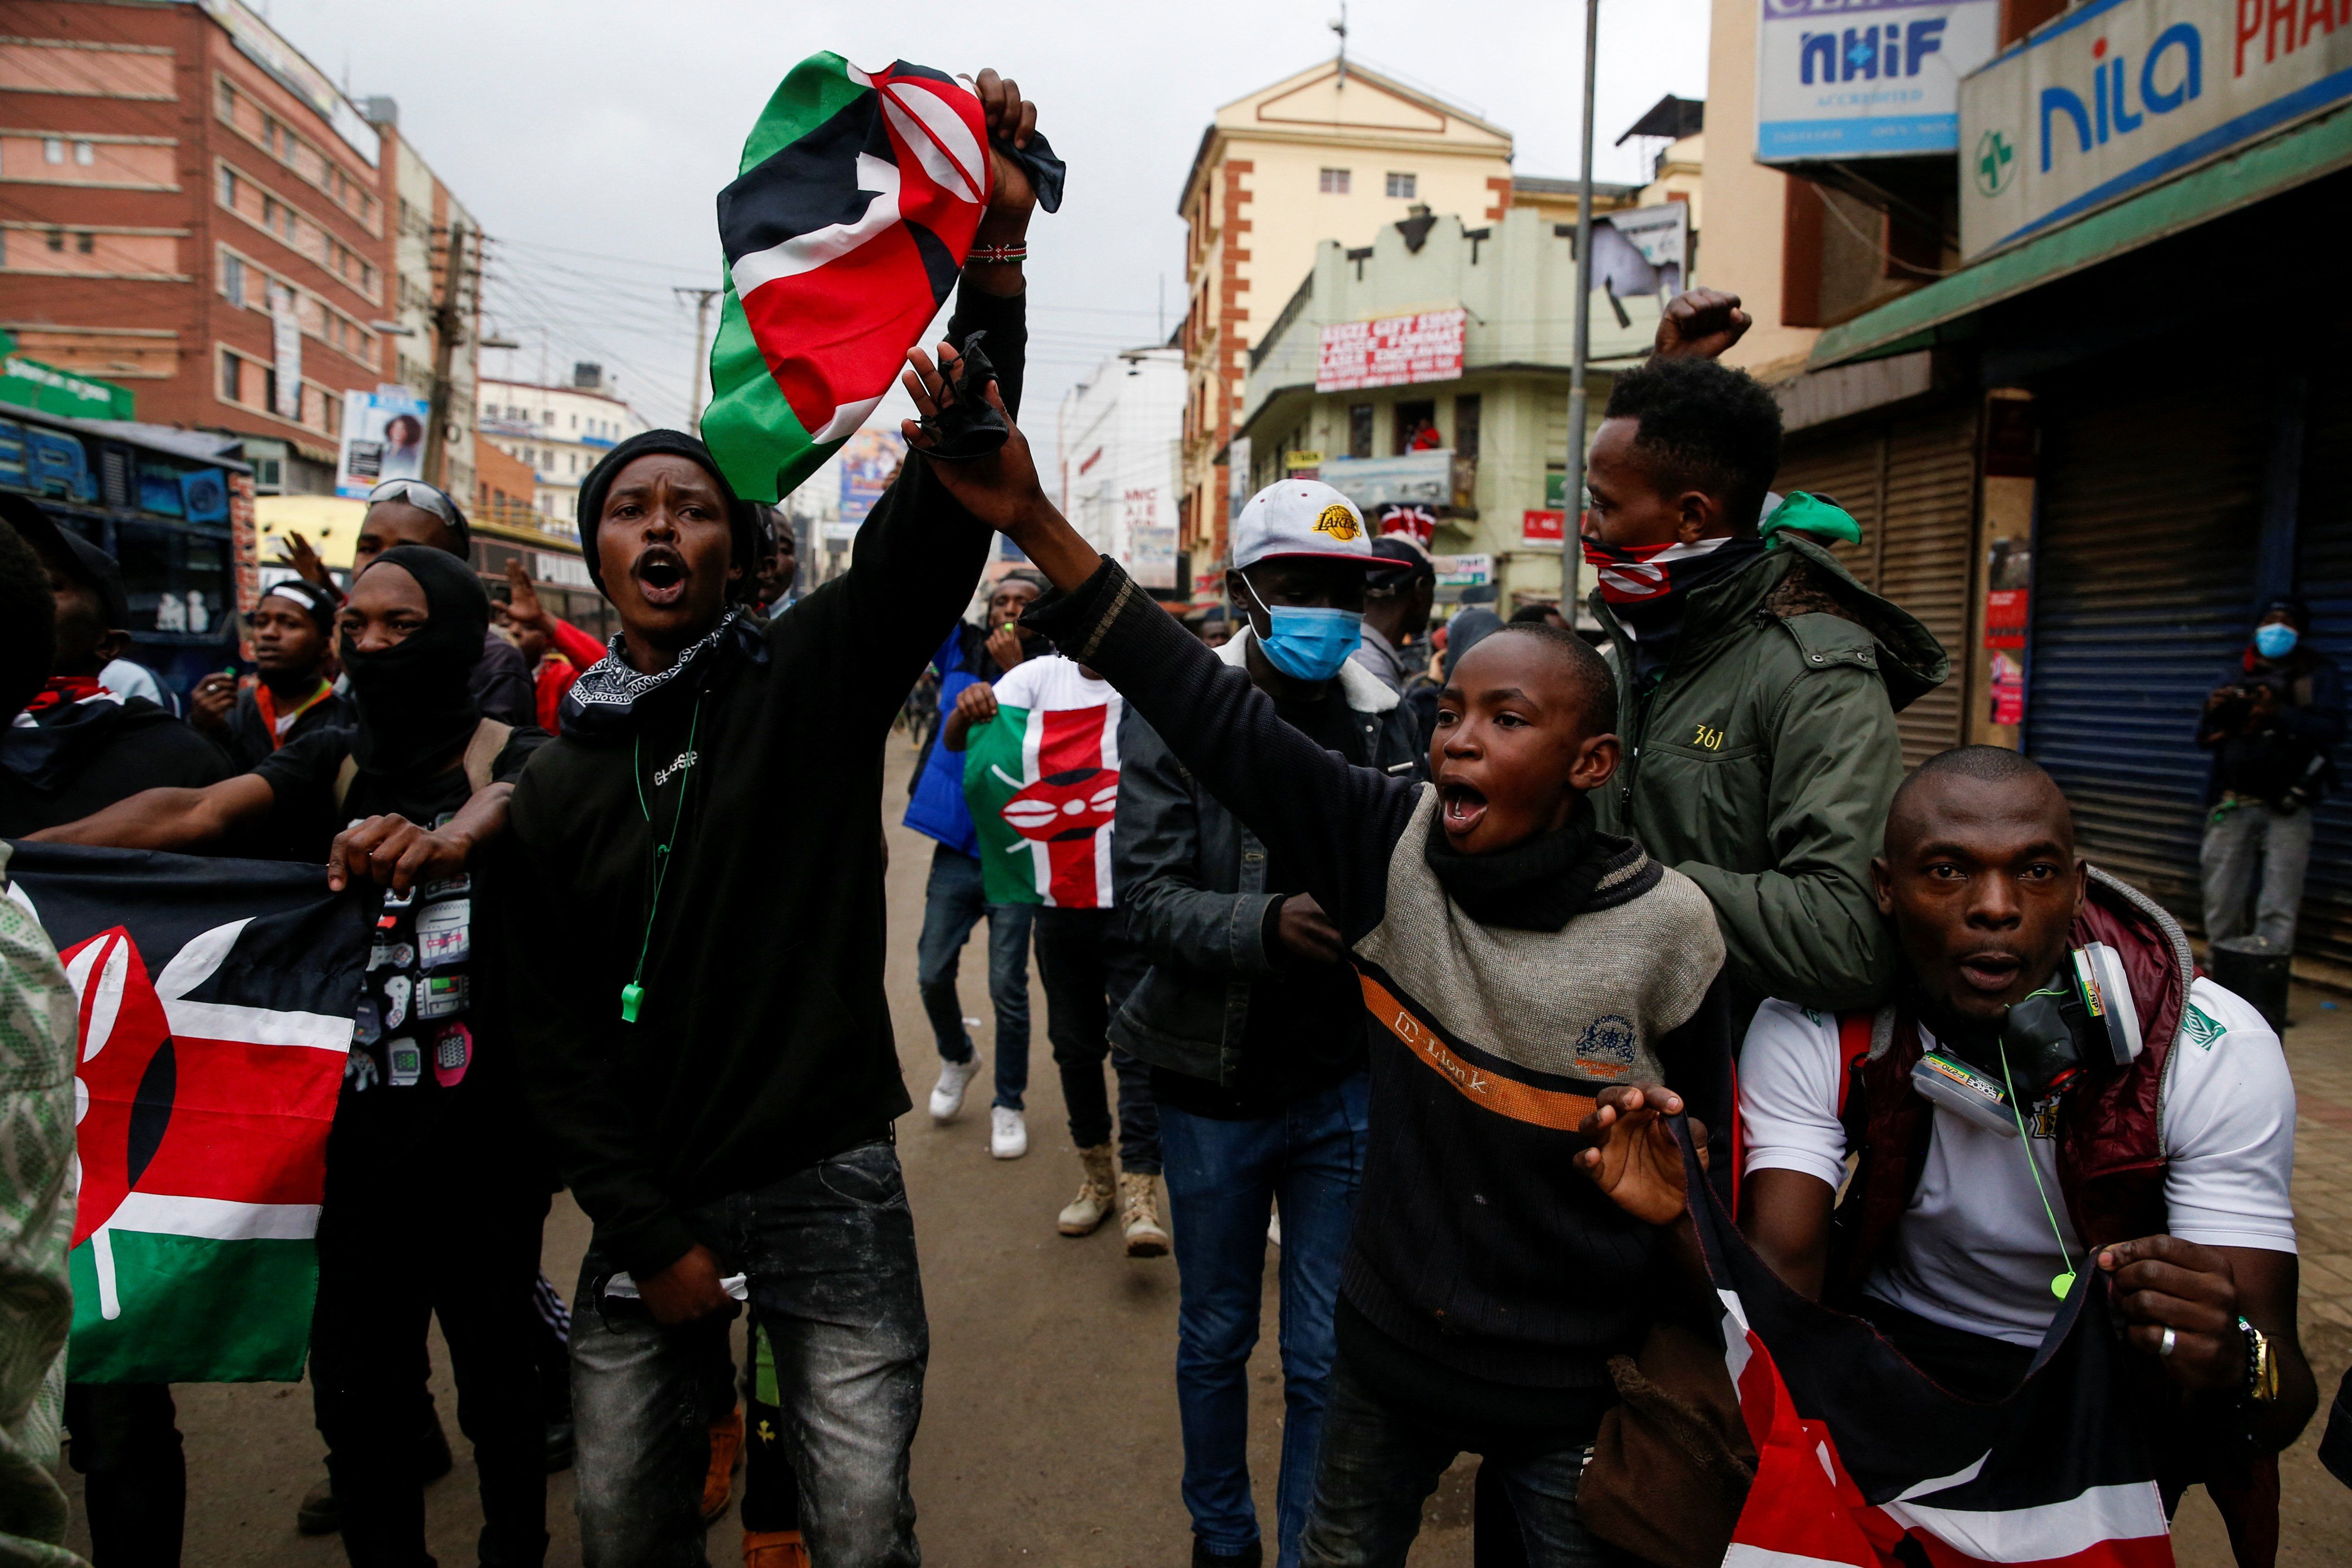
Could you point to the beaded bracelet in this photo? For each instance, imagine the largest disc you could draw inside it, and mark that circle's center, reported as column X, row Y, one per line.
column 1000, row 253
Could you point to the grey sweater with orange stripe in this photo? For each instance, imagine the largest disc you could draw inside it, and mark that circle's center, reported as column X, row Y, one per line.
column 1478, row 1244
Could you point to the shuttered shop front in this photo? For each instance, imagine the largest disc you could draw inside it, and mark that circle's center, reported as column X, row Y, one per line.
column 1910, row 482
column 2324, row 578
column 2151, row 501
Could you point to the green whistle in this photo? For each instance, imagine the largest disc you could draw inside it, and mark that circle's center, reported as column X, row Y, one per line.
column 631, row 995
column 2063, row 1285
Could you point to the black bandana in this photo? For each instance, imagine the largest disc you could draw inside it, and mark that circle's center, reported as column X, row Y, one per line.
column 1654, row 622
column 609, row 694
column 414, row 706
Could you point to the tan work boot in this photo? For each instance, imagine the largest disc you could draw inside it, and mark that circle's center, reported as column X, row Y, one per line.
column 1094, row 1200
column 1138, row 1210
column 774, row 1549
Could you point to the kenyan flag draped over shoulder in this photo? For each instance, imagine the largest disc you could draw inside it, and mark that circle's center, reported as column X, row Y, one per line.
column 1042, row 780
column 215, row 1000
column 855, row 206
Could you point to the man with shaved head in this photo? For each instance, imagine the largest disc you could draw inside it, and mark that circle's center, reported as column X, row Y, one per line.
column 1974, row 1204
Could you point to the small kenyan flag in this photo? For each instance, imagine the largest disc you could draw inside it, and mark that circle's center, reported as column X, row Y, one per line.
column 855, row 206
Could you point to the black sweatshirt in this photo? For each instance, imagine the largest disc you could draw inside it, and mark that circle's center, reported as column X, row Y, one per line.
column 763, row 1044
column 1476, row 1245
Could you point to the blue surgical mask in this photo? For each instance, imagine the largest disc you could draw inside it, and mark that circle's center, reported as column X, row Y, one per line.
column 2274, row 641
column 1309, row 644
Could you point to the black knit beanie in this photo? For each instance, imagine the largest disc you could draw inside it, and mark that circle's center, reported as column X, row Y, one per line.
column 742, row 519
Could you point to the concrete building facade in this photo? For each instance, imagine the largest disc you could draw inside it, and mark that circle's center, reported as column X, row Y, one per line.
column 559, row 431
column 1120, row 437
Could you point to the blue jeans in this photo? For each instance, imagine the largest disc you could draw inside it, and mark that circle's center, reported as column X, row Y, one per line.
column 830, row 1251
column 1223, row 1176
column 953, row 902
column 1381, row 1463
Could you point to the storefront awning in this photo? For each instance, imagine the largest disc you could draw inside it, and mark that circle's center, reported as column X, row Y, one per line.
column 32, row 384
column 1918, row 318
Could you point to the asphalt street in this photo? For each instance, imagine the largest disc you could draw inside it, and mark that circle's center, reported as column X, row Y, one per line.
column 1049, row 1431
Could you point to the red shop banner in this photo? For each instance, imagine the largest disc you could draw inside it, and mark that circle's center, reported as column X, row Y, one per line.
column 1397, row 350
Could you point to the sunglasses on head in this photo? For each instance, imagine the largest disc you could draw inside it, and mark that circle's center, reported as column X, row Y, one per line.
column 416, row 493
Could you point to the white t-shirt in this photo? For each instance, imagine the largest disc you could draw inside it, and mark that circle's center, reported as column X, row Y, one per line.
column 1053, row 683
column 1975, row 1250
column 1067, row 876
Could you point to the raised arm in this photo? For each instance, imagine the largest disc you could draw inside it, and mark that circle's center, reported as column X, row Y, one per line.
column 1338, row 823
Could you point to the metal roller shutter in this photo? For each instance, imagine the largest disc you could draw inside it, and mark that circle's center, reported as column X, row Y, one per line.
column 2324, row 578
column 1910, row 482
column 2150, row 502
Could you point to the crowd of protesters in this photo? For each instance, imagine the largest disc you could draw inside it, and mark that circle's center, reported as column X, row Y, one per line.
column 1423, row 969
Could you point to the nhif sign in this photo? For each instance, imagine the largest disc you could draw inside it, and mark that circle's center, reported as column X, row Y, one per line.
column 1865, row 78
column 2119, row 96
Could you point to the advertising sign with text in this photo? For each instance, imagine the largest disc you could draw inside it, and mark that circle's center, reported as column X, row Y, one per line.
column 2120, row 95
column 1865, row 78
column 1395, row 352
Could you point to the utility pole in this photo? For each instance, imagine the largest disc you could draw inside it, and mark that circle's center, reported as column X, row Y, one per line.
column 702, row 298
column 1572, row 492
column 448, row 319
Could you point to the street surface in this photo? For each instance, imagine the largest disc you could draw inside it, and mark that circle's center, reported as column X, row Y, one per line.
column 1049, row 1431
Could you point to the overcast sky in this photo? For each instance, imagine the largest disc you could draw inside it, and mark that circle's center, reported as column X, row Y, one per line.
column 591, row 137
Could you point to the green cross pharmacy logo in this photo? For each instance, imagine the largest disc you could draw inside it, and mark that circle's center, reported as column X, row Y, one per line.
column 1996, row 163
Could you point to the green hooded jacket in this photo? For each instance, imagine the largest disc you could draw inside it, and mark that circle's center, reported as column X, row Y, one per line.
column 1762, row 760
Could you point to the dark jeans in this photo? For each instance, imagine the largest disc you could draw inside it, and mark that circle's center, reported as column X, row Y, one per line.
column 772, row 1496
column 386, row 1268
column 1222, row 1178
column 953, row 902
column 830, row 1252
column 126, row 1445
column 1089, row 966
column 1381, row 1463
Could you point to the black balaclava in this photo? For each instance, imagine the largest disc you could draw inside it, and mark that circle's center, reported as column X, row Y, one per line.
column 415, row 707
column 743, row 519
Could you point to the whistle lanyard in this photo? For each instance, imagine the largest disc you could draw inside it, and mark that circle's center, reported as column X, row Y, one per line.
column 2061, row 1285
column 633, row 994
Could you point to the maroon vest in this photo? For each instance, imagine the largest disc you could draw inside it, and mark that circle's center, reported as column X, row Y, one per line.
column 2110, row 1167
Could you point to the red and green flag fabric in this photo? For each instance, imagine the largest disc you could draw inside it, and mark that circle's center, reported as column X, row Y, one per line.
column 1042, row 780
column 216, row 1000
column 854, row 207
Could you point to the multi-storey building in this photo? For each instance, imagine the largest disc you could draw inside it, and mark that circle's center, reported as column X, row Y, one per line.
column 1119, row 435
column 559, row 431
column 190, row 209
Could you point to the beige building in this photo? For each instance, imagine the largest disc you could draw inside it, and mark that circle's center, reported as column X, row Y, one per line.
column 1326, row 154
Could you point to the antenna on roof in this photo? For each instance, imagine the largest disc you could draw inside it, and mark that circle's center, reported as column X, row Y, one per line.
column 1340, row 27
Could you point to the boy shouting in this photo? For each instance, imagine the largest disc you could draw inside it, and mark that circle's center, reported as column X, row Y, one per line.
column 1515, row 960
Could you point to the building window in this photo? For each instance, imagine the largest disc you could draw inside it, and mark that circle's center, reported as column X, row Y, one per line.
column 1360, row 430
column 1466, row 412
column 1334, row 183
column 57, row 239
column 1401, row 185
column 269, row 388
column 232, row 378
column 228, row 188
column 85, row 153
column 53, row 150
column 227, row 101
column 86, row 242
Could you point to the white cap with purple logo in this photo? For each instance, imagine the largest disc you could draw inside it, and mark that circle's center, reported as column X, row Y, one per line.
column 1300, row 517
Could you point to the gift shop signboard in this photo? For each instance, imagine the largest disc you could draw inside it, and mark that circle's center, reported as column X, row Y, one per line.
column 1394, row 351
column 2120, row 95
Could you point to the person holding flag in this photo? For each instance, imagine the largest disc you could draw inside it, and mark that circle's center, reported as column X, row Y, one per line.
column 1041, row 775
column 2056, row 1104
column 433, row 1203
column 706, row 1038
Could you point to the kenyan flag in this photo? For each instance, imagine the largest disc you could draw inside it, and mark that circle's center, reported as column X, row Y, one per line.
column 215, row 1003
column 854, row 208
column 1043, row 785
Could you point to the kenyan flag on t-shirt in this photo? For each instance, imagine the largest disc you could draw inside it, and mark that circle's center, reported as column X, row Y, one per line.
column 1042, row 780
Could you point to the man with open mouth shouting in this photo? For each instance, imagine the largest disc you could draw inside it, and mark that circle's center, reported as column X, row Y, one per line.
column 709, row 1048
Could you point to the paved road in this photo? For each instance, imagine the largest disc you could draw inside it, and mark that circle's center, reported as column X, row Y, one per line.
column 1049, row 1433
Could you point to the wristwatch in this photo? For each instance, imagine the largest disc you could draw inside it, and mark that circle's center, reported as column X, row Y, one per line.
column 2261, row 1370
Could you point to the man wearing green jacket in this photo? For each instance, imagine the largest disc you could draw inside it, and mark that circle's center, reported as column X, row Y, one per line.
column 1758, row 682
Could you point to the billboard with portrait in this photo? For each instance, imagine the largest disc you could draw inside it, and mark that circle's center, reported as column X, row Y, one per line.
column 383, row 438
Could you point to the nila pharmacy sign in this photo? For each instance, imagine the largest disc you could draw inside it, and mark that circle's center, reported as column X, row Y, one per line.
column 2117, row 96
column 1839, row 79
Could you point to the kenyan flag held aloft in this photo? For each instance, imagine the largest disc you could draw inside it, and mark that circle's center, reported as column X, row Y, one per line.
column 855, row 206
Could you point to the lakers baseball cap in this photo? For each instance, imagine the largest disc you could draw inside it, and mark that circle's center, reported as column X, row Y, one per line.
column 1300, row 517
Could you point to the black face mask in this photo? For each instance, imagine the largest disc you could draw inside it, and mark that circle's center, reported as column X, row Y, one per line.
column 416, row 709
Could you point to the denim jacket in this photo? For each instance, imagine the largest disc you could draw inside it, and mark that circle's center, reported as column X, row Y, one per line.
column 1192, row 879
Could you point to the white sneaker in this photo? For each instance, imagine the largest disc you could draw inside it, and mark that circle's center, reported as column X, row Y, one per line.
column 1008, row 1133
column 1274, row 1227
column 947, row 1095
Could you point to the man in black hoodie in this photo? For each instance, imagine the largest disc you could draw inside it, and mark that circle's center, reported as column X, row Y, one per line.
column 76, row 746
column 709, row 1049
